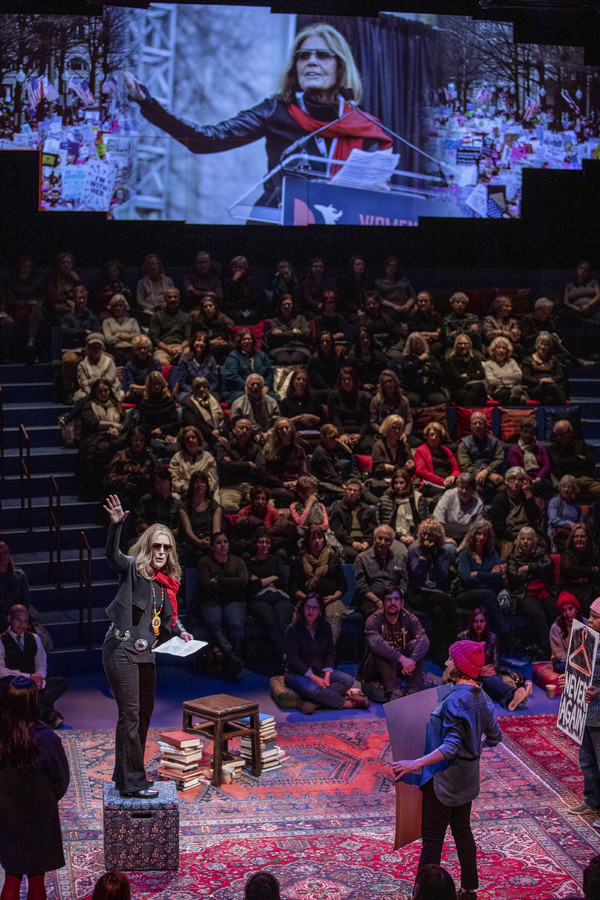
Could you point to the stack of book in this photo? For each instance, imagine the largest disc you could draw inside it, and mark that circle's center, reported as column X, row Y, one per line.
column 271, row 755
column 182, row 760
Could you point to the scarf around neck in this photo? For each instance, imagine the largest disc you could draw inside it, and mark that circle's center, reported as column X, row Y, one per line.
column 315, row 568
column 172, row 586
column 350, row 133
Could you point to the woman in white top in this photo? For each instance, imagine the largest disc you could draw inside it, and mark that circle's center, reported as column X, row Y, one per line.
column 503, row 375
column 119, row 330
column 151, row 288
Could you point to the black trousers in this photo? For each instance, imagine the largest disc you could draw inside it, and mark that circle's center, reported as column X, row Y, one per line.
column 133, row 685
column 436, row 818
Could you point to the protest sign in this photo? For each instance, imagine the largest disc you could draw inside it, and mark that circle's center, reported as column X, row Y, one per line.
column 98, row 186
column 466, row 156
column 72, row 182
column 478, row 200
column 581, row 658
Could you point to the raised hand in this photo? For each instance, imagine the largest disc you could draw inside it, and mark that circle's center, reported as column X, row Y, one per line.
column 115, row 510
column 134, row 88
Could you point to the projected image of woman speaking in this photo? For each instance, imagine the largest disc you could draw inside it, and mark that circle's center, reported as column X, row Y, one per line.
column 319, row 75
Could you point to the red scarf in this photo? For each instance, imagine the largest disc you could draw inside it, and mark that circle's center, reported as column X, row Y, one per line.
column 172, row 587
column 350, row 133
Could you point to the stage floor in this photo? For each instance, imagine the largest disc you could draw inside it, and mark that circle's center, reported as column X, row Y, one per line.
column 324, row 822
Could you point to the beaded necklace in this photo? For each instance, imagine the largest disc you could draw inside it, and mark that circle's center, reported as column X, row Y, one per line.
column 157, row 612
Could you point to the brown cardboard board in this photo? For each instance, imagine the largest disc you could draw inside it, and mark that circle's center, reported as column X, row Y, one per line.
column 407, row 720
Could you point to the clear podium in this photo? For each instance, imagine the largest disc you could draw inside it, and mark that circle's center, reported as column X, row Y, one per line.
column 307, row 196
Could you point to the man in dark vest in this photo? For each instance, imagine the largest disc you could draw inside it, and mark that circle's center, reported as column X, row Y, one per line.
column 22, row 653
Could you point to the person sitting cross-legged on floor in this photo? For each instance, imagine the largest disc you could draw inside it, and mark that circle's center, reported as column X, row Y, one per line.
column 310, row 657
column 510, row 696
column 22, row 654
column 392, row 665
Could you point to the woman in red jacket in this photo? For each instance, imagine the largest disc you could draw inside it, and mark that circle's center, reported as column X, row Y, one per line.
column 435, row 464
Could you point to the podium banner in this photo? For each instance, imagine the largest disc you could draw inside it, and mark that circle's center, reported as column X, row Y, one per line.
column 310, row 201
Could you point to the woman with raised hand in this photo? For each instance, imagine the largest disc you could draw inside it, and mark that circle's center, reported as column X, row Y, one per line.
column 142, row 616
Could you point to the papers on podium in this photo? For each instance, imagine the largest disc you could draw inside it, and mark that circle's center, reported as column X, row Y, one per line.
column 363, row 169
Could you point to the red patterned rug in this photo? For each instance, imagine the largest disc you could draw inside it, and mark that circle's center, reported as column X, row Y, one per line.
column 323, row 824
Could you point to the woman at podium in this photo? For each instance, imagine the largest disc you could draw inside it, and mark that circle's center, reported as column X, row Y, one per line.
column 319, row 74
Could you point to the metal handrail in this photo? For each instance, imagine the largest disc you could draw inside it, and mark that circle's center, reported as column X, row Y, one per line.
column 25, row 477
column 54, row 531
column 85, row 589
column 1, row 436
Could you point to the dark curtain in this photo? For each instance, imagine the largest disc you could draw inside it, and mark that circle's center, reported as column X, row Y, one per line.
column 395, row 59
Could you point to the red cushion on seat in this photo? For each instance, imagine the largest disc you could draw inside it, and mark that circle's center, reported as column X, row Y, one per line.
column 258, row 330
column 510, row 422
column 365, row 463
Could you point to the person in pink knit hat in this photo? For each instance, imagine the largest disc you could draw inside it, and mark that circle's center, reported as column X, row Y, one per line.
column 450, row 766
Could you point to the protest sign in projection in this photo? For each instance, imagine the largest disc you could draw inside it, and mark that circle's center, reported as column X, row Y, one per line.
column 579, row 671
column 98, row 185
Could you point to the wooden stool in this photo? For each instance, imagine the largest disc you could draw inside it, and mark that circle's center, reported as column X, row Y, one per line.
column 220, row 720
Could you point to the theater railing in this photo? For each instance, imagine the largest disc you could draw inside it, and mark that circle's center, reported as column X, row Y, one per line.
column 25, row 477
column 54, row 560
column 85, row 590
column 1, row 436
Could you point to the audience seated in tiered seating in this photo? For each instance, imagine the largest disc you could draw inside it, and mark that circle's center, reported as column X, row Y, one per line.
column 283, row 374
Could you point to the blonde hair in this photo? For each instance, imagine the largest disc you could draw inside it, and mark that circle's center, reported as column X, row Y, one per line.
column 500, row 341
column 413, row 336
column 158, row 377
column 526, row 531
column 142, row 550
column 347, row 76
column 393, row 419
column 272, row 448
column 462, row 337
column 439, row 428
column 141, row 340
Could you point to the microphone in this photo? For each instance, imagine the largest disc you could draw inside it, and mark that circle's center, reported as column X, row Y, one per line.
column 302, row 141
column 348, row 94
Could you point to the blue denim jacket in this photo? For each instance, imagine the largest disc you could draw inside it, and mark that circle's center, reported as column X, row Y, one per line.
column 456, row 727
